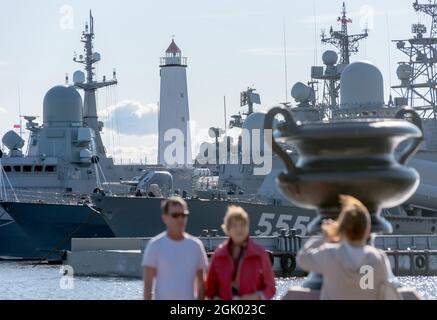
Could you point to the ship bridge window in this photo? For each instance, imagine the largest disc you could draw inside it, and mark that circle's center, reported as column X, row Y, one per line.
column 7, row 168
column 38, row 168
column 50, row 168
column 27, row 169
column 17, row 168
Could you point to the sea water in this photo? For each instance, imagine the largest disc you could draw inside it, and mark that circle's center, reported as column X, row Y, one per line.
column 25, row 281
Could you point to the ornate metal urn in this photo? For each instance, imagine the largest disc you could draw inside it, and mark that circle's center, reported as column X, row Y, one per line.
column 356, row 158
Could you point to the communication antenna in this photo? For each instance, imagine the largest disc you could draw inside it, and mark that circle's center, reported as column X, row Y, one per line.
column 19, row 112
column 315, row 33
column 285, row 61
column 390, row 100
column 226, row 124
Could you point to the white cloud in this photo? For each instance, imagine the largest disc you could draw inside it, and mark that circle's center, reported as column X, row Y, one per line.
column 131, row 148
column 277, row 51
column 3, row 63
column 131, row 118
column 3, row 110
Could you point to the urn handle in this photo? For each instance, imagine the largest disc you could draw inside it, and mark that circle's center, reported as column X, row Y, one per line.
column 291, row 126
column 415, row 144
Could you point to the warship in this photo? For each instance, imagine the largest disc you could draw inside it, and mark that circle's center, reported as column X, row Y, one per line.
column 64, row 162
column 138, row 213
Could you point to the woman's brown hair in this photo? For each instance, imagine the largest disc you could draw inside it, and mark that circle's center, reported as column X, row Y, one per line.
column 353, row 221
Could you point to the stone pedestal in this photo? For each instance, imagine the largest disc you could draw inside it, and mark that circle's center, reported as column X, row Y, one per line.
column 299, row 293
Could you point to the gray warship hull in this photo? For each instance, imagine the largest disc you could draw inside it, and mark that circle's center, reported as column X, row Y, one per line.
column 15, row 243
column 45, row 230
column 139, row 217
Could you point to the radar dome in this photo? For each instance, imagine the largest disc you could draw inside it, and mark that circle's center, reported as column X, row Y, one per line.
column 404, row 72
column 255, row 121
column 13, row 141
column 330, row 58
column 62, row 104
column 78, row 77
column 302, row 93
column 97, row 57
column 362, row 86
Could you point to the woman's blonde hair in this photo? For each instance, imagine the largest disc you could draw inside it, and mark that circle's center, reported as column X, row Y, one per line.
column 353, row 221
column 234, row 213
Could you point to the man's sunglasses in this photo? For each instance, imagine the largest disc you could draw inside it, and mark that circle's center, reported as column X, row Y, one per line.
column 179, row 215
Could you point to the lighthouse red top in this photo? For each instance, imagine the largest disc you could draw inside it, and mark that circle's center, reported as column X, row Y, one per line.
column 173, row 48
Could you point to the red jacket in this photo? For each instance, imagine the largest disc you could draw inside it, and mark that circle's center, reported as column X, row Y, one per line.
column 256, row 273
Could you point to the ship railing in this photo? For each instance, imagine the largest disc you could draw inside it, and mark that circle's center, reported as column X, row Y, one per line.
column 46, row 196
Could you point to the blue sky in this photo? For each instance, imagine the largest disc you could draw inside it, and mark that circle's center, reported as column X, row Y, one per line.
column 230, row 44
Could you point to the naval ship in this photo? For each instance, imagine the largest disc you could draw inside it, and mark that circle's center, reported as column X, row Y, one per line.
column 138, row 214
column 64, row 162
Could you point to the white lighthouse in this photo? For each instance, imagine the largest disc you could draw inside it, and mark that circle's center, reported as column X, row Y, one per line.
column 174, row 111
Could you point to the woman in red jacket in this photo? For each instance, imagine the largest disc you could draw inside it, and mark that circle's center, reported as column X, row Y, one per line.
column 240, row 269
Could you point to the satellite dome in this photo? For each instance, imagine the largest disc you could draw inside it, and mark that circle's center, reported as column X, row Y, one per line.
column 13, row 141
column 302, row 93
column 330, row 58
column 78, row 77
column 62, row 104
column 404, row 72
column 97, row 57
column 362, row 86
column 255, row 121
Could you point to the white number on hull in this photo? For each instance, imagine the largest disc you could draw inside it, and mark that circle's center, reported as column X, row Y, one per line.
column 266, row 222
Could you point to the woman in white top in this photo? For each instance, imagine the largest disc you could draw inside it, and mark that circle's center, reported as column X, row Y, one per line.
column 351, row 269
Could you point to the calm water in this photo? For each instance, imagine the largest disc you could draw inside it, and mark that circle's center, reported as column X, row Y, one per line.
column 23, row 281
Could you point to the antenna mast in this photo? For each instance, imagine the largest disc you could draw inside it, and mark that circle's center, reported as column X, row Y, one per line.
column 285, row 62
column 347, row 44
column 90, row 85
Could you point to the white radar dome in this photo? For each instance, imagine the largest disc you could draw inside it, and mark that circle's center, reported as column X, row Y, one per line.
column 302, row 93
column 362, row 86
column 78, row 77
column 62, row 104
column 330, row 58
column 13, row 141
column 404, row 72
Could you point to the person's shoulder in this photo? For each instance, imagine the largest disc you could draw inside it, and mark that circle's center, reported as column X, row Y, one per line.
column 193, row 240
column 257, row 248
column 330, row 246
column 158, row 239
column 375, row 253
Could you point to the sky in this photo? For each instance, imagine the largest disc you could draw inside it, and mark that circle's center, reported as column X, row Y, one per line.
column 230, row 45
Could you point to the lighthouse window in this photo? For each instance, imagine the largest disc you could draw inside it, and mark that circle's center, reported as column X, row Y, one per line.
column 182, row 95
column 27, row 168
column 50, row 169
column 17, row 168
column 38, row 168
column 7, row 169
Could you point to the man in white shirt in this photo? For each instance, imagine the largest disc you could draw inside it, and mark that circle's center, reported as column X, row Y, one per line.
column 174, row 260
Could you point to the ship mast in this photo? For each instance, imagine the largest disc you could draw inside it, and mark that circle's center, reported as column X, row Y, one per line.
column 347, row 44
column 330, row 74
column 89, row 85
column 418, row 75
